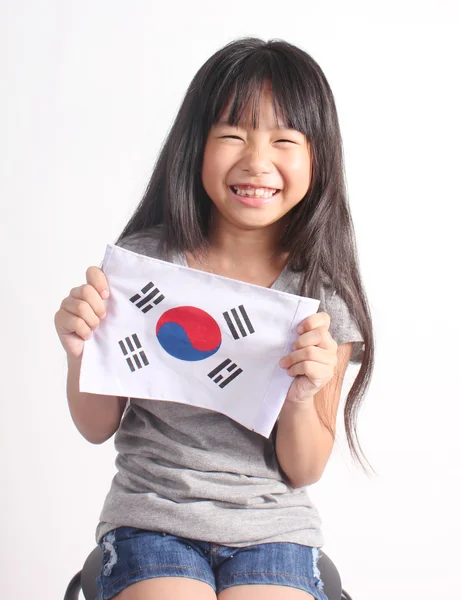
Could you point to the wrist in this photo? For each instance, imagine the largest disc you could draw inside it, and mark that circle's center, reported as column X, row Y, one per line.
column 298, row 399
column 297, row 404
column 74, row 361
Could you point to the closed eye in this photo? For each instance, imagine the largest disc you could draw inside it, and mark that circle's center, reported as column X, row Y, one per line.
column 238, row 138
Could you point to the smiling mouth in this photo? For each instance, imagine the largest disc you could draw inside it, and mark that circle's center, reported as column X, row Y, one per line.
column 267, row 195
column 253, row 201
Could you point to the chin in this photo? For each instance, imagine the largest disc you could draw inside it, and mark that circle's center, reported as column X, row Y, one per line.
column 247, row 218
column 258, row 222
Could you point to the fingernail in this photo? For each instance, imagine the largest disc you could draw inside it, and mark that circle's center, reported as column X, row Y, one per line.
column 299, row 329
column 105, row 294
column 103, row 315
column 282, row 363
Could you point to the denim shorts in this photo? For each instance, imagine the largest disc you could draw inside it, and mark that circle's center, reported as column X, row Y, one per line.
column 130, row 555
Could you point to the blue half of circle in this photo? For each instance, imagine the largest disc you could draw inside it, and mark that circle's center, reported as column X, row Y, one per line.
column 173, row 339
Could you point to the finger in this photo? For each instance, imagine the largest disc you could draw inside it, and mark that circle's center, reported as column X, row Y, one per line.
column 312, row 370
column 81, row 308
column 73, row 324
column 310, row 353
column 321, row 319
column 89, row 294
column 317, row 337
column 96, row 277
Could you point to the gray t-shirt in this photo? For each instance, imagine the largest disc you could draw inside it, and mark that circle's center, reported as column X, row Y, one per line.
column 198, row 474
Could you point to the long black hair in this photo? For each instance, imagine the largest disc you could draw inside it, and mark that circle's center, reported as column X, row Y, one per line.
column 320, row 233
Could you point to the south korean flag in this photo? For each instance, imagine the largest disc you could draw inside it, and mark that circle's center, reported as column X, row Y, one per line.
column 178, row 334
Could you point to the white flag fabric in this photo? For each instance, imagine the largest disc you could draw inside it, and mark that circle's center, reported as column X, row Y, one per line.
column 178, row 334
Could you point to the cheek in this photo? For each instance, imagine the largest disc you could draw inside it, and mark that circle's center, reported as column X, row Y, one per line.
column 212, row 168
column 299, row 173
column 208, row 168
column 300, row 163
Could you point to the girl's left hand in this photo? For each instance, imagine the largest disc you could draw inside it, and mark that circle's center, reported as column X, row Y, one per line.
column 313, row 360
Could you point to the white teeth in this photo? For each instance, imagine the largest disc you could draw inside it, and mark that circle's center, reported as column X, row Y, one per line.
column 258, row 192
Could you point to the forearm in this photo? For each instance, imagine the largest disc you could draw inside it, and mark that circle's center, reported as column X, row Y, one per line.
column 97, row 417
column 303, row 443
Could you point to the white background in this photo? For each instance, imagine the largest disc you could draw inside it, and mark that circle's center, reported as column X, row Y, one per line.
column 89, row 91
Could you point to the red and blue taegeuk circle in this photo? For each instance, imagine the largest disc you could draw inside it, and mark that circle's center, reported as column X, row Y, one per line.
column 188, row 333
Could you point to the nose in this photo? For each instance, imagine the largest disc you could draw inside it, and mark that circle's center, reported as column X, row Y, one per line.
column 256, row 162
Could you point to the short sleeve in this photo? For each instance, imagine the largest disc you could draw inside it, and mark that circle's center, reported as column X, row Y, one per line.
column 343, row 326
column 143, row 242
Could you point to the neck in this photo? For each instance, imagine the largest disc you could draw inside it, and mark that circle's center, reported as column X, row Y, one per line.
column 233, row 241
column 237, row 246
column 253, row 256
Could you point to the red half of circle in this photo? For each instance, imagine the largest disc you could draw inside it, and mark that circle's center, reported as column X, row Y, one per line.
column 202, row 330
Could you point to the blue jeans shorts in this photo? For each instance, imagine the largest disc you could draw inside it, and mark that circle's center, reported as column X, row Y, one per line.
column 130, row 555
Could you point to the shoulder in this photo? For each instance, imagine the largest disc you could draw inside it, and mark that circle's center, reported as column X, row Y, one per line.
column 147, row 242
column 343, row 325
column 344, row 328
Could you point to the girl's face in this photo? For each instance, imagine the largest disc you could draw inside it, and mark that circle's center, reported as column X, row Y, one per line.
column 262, row 160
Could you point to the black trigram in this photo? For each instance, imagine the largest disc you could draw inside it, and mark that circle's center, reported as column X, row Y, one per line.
column 234, row 322
column 149, row 298
column 214, row 374
column 133, row 352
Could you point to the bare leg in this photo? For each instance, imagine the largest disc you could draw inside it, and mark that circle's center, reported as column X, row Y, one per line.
column 263, row 592
column 167, row 588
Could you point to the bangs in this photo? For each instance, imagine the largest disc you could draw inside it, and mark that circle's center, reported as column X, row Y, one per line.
column 240, row 86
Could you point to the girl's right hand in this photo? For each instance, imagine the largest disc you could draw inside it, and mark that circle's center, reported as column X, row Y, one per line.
column 81, row 312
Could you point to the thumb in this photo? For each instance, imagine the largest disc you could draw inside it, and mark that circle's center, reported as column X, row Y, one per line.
column 96, row 277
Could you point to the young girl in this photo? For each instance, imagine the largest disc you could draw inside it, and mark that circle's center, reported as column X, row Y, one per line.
column 249, row 185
